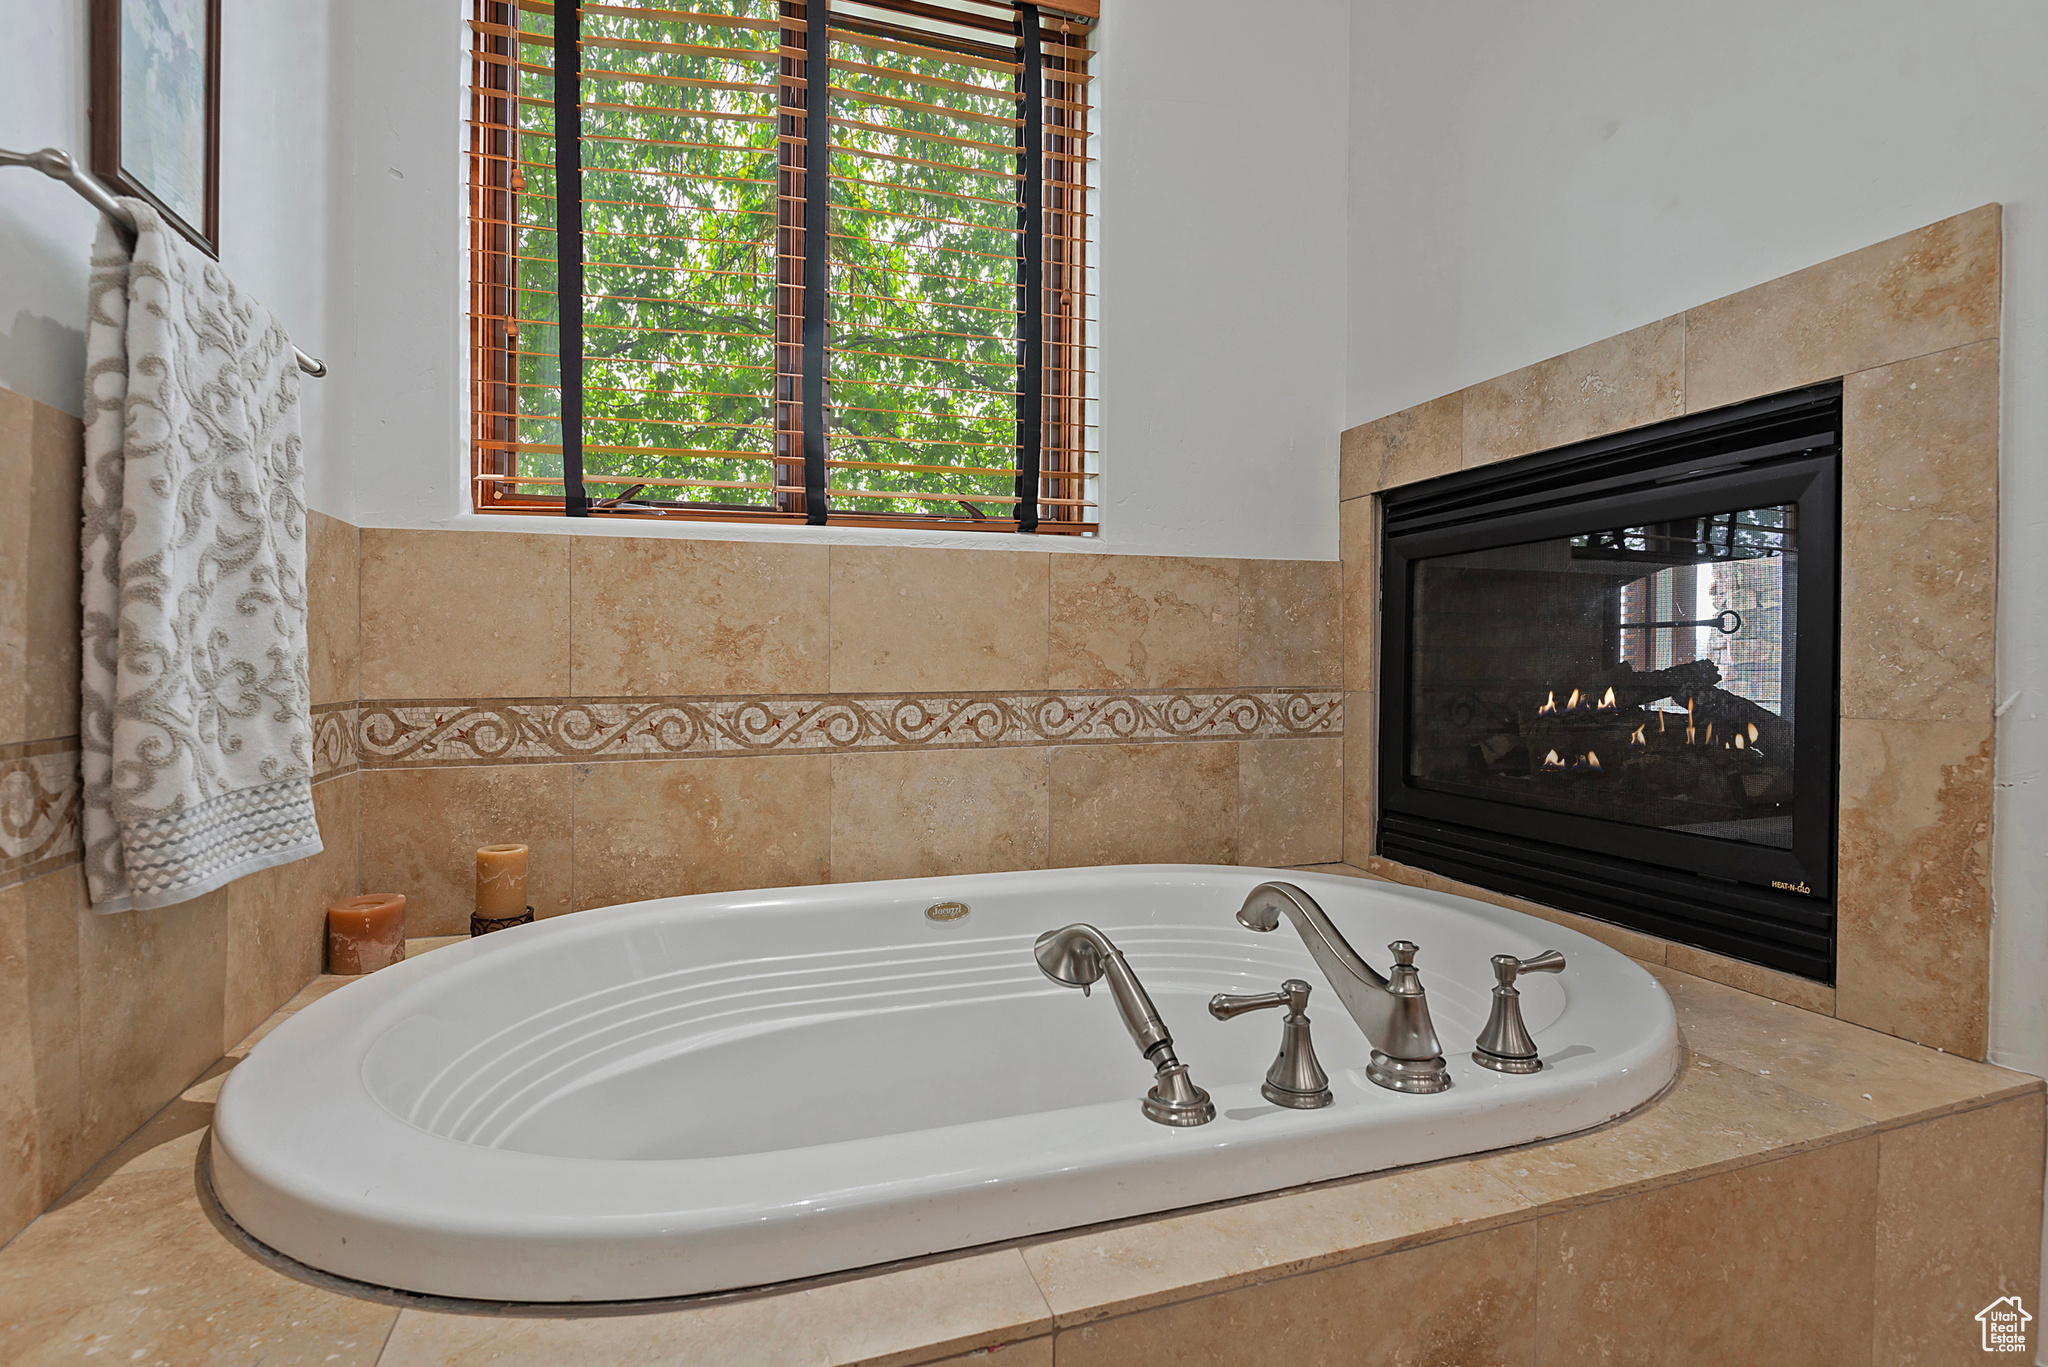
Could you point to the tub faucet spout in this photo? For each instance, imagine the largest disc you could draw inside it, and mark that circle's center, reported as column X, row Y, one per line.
column 1080, row 956
column 1393, row 1010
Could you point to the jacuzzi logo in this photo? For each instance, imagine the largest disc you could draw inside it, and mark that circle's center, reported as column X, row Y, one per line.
column 945, row 911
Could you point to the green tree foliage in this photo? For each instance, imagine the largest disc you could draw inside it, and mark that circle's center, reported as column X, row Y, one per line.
column 680, row 185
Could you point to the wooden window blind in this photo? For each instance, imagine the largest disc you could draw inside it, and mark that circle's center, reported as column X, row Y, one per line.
column 801, row 261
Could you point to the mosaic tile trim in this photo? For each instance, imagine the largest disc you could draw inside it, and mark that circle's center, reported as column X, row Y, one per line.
column 40, row 795
column 334, row 740
column 39, row 809
column 545, row 730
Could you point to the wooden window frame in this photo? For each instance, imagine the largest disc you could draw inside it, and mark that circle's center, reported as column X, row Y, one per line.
column 1063, row 344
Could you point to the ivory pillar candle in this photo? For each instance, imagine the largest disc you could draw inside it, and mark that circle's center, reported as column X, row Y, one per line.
column 500, row 882
column 365, row 933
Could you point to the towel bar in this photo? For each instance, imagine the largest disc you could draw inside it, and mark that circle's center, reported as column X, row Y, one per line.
column 58, row 165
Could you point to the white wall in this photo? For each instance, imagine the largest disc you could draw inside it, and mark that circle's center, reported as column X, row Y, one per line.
column 275, row 125
column 1221, row 253
column 276, row 129
column 399, row 79
column 46, row 231
column 1222, row 275
column 1530, row 177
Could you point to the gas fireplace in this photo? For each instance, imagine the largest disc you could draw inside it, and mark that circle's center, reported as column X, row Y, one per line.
column 1607, row 678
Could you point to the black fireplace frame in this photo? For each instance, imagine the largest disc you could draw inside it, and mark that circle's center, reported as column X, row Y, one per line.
column 1767, row 906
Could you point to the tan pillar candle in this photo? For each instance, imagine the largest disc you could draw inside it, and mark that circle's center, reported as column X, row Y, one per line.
column 500, row 881
column 365, row 933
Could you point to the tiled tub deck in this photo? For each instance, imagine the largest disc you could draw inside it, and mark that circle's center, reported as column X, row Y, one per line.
column 1809, row 1191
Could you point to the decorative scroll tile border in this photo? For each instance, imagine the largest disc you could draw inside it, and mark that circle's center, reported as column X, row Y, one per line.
column 40, row 795
column 39, row 804
column 552, row 730
column 334, row 739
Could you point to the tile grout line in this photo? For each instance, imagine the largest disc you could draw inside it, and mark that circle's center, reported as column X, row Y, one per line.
column 1048, row 623
column 1052, row 1319
column 390, row 1332
column 569, row 874
column 1464, row 403
column 1847, row 375
column 355, row 718
column 1238, row 796
column 1684, row 362
column 831, row 770
column 1237, row 669
column 37, row 740
column 1045, row 825
column 569, row 612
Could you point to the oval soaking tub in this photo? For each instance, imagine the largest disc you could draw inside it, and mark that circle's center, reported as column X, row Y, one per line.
column 703, row 1093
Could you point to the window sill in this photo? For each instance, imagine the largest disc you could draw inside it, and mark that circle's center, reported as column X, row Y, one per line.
column 829, row 535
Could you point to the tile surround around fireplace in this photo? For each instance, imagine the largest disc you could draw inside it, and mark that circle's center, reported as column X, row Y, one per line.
column 1910, row 327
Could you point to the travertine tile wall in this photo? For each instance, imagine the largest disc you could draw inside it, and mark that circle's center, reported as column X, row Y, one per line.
column 105, row 1018
column 652, row 717
column 657, row 717
column 1911, row 325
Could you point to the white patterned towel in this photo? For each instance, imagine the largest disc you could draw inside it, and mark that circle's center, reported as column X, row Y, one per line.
column 194, row 722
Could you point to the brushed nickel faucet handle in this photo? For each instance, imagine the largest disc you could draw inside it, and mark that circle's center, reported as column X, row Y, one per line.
column 1223, row 1006
column 1506, row 967
column 1295, row 1080
column 1505, row 1045
column 1405, row 980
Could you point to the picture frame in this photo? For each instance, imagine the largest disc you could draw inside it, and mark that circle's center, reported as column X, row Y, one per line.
column 155, row 108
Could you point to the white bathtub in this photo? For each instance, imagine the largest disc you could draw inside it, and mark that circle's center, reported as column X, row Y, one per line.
column 703, row 1093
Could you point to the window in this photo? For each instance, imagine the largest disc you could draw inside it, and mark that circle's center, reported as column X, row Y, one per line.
column 673, row 315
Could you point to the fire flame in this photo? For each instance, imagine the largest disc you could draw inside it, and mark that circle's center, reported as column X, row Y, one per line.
column 1738, row 741
column 1593, row 762
column 1710, row 733
column 1607, row 702
column 1752, row 733
column 1690, row 738
column 1549, row 708
column 1551, row 761
column 1638, row 738
column 1572, row 703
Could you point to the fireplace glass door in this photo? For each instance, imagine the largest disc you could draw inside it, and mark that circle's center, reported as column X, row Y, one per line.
column 1639, row 674
column 1607, row 678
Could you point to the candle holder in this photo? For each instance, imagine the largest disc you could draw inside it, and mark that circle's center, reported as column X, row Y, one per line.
column 500, row 889
column 484, row 925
